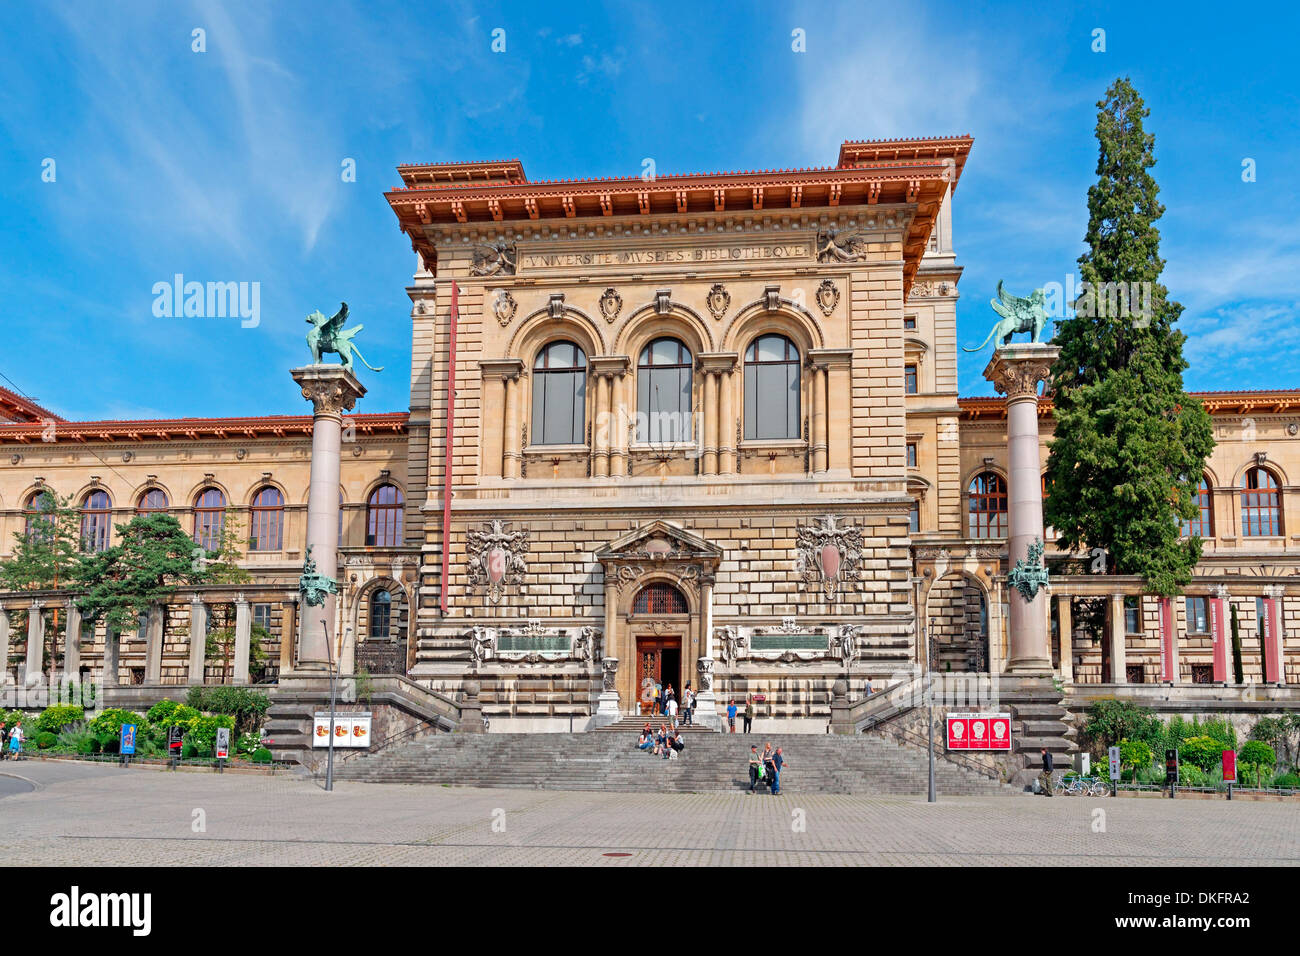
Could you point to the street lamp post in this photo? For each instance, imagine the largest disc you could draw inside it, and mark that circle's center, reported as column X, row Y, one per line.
column 929, row 698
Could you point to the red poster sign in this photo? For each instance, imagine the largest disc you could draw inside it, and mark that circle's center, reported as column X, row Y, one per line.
column 1219, row 637
column 1229, row 766
column 1272, row 642
column 1167, row 640
column 979, row 731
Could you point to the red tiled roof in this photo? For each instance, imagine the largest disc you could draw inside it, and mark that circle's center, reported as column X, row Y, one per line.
column 17, row 408
column 168, row 429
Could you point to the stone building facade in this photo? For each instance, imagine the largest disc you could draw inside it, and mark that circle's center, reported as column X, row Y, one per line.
column 701, row 428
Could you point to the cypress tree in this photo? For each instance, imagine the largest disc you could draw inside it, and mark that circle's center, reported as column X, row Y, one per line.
column 1130, row 444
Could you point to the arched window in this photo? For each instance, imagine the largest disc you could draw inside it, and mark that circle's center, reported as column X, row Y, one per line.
column 266, row 525
column 559, row 395
column 384, row 517
column 40, row 506
column 987, row 506
column 663, row 392
column 96, row 521
column 209, row 518
column 151, row 502
column 1261, row 504
column 381, row 608
column 771, row 388
column 1202, row 526
column 659, row 599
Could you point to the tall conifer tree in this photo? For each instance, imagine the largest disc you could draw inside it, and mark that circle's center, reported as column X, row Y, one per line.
column 1130, row 444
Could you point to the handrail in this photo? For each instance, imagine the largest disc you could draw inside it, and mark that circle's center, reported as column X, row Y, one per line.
column 959, row 759
column 390, row 739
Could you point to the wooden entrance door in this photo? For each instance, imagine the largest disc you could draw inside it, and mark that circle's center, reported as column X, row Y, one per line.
column 658, row 661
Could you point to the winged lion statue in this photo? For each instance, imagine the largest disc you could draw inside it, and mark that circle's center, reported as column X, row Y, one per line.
column 328, row 335
column 1019, row 314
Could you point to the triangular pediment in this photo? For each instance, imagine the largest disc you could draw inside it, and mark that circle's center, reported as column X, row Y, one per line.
column 660, row 540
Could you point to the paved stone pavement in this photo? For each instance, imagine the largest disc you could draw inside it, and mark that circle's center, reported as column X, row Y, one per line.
column 96, row 815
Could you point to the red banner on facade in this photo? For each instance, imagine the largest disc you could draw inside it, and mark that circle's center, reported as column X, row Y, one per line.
column 1272, row 635
column 1218, row 633
column 979, row 731
column 1167, row 663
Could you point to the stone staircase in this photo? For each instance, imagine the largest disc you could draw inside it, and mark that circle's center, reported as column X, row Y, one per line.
column 609, row 761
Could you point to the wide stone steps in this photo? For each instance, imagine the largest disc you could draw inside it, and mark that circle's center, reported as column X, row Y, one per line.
column 611, row 762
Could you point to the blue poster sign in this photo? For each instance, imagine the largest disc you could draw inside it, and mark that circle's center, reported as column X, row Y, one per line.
column 127, row 743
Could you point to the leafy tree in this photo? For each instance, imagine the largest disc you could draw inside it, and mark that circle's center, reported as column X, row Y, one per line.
column 154, row 557
column 1130, row 444
column 1134, row 755
column 1257, row 754
column 45, row 553
column 1110, row 721
column 1203, row 752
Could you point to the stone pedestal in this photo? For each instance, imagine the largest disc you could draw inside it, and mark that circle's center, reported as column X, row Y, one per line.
column 841, row 709
column 332, row 390
column 706, row 704
column 471, row 711
column 1017, row 370
column 607, row 709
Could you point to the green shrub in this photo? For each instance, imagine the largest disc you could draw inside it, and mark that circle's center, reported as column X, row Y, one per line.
column 1204, row 753
column 54, row 719
column 87, row 745
column 1287, row 781
column 1256, row 755
column 261, row 755
column 1190, row 775
column 45, row 740
column 202, row 731
column 247, row 707
column 108, row 724
column 160, row 711
column 1134, row 756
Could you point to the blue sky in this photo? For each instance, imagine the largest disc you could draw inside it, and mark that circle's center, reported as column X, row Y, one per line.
column 225, row 165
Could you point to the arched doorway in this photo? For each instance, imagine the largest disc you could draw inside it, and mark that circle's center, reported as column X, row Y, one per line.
column 659, row 620
column 381, row 628
column 957, row 618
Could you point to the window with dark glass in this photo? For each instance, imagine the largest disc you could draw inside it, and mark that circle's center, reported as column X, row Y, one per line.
column 1197, row 611
column 96, row 521
column 987, row 506
column 909, row 379
column 384, row 517
column 1261, row 500
column 1202, row 526
column 914, row 517
column 911, row 454
column 381, row 608
column 266, row 527
column 909, row 322
column 262, row 616
column 659, row 599
column 152, row 501
column 663, row 392
column 771, row 388
column 1135, row 673
column 559, row 395
column 40, row 505
column 209, row 518
column 1132, row 616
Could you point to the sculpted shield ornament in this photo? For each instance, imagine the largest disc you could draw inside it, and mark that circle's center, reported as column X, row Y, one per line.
column 496, row 558
column 611, row 304
column 504, row 307
column 718, row 300
column 829, row 555
column 828, row 297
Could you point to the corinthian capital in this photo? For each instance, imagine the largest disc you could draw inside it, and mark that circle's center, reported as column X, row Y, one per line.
column 331, row 389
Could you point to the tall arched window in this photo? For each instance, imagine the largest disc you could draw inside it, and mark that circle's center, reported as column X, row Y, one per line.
column 987, row 506
column 663, row 392
column 1202, row 526
column 771, row 388
column 96, row 521
column 1261, row 504
column 209, row 518
column 559, row 395
column 266, row 524
column 659, row 599
column 384, row 517
column 151, row 502
column 39, row 506
column 381, row 612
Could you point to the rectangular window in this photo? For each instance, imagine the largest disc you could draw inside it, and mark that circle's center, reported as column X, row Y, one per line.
column 909, row 379
column 663, row 405
column 1135, row 673
column 911, row 454
column 262, row 616
column 914, row 517
column 1202, row 673
column 1197, row 612
column 1132, row 616
column 909, row 323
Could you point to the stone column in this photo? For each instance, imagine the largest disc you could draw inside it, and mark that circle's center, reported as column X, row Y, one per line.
column 35, row 644
column 112, row 646
column 72, row 641
column 819, row 447
column 510, row 429
column 1118, row 664
column 331, row 389
column 1017, row 371
column 1065, row 622
column 706, row 701
column 198, row 638
column 243, row 636
column 153, row 649
column 4, row 645
column 612, row 638
column 726, row 426
column 617, row 426
column 709, row 440
column 609, row 432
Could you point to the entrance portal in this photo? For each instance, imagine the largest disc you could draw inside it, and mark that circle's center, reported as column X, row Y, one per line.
column 658, row 661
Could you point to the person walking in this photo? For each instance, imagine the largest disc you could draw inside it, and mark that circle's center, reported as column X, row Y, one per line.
column 778, row 762
column 755, row 767
column 769, row 768
column 16, row 740
column 749, row 712
column 1045, row 778
column 4, row 738
column 688, row 704
column 671, row 708
column 731, row 716
column 658, row 700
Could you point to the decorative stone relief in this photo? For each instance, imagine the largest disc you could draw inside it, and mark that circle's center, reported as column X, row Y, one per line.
column 609, row 674
column 611, row 304
column 504, row 307
column 705, row 666
column 663, row 301
column 495, row 258
column 1021, row 378
column 828, row 296
column 555, row 306
column 586, row 647
column 496, row 557
column 718, row 300
column 832, row 246
column 733, row 644
column 829, row 554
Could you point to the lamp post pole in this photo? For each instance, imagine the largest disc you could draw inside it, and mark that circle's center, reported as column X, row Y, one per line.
column 929, row 697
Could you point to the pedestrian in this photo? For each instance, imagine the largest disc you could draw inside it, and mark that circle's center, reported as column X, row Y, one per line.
column 646, row 740
column 658, row 701
column 688, row 704
column 778, row 762
column 755, row 767
column 16, row 740
column 869, row 690
column 4, row 738
column 749, row 712
column 1045, row 778
column 672, row 710
column 678, row 744
column 769, row 768
column 731, row 716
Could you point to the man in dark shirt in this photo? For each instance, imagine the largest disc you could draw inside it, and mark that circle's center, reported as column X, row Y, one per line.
column 778, row 762
column 754, row 764
column 1045, row 778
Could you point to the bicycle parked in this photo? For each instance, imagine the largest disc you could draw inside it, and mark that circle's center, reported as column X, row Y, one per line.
column 1082, row 786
